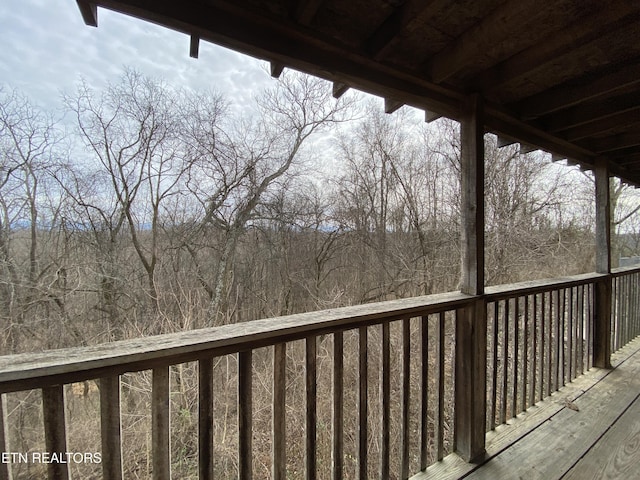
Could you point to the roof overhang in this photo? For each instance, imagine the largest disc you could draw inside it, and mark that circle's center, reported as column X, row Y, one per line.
column 562, row 76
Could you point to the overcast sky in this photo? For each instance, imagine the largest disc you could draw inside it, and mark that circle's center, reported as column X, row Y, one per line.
column 46, row 47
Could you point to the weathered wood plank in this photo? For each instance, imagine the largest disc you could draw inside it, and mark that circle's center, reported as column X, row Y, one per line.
column 546, row 452
column 311, row 418
column 5, row 467
column 470, row 380
column 440, row 372
column 385, row 402
column 245, row 415
column 337, row 413
column 516, row 353
column 35, row 370
column 494, row 372
column 160, row 425
column 363, row 404
column 110, row 428
column 205, row 419
column 602, row 318
column 424, row 392
column 454, row 467
column 617, row 453
column 55, row 436
column 406, row 398
column 279, row 427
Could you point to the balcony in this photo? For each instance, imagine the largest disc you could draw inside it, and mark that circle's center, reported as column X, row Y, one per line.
column 545, row 409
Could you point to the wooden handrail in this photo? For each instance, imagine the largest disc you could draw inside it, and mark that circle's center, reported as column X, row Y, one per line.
column 54, row 367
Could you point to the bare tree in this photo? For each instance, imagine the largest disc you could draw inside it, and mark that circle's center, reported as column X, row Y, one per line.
column 240, row 170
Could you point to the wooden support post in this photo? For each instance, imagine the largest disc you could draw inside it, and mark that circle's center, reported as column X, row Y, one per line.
column 602, row 318
column 471, row 322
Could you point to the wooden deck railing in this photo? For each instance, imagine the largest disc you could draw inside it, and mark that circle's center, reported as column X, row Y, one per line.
column 539, row 338
column 382, row 371
column 625, row 308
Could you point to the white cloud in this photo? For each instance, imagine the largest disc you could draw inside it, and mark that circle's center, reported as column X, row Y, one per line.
column 47, row 47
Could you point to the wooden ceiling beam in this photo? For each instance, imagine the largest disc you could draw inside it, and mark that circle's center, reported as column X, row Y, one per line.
column 306, row 10
column 591, row 112
column 615, row 143
column 596, row 85
column 509, row 26
column 594, row 129
column 89, row 12
column 405, row 17
column 282, row 41
column 580, row 33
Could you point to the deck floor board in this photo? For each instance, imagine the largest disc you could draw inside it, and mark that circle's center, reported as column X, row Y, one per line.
column 554, row 447
column 553, row 440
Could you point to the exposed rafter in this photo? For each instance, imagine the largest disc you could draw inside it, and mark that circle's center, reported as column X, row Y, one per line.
column 391, row 105
column 592, row 112
column 89, row 12
column 194, row 46
column 339, row 89
column 306, row 10
column 560, row 76
column 592, row 87
column 407, row 14
column 276, row 69
column 579, row 34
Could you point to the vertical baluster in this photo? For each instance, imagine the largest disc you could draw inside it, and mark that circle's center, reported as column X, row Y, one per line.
column 279, row 428
column 636, row 290
column 525, row 355
column 440, row 373
column 570, row 376
column 627, row 316
column 494, row 373
column 311, row 417
column 550, row 346
column 543, row 315
column 505, row 361
column 110, row 427
column 406, row 396
column 5, row 467
column 556, row 345
column 615, row 313
column 205, row 419
column 534, row 350
column 424, row 392
column 363, row 405
column 245, row 415
column 385, row 394
column 54, row 429
column 561, row 336
column 580, row 323
column 516, row 344
column 160, row 430
column 590, row 315
column 337, row 440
